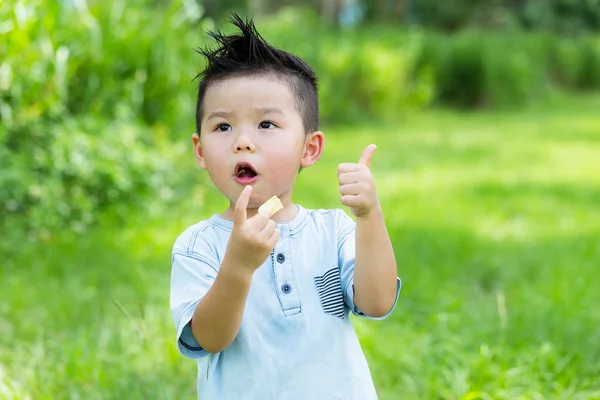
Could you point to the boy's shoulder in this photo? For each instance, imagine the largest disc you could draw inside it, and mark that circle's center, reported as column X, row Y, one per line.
column 202, row 231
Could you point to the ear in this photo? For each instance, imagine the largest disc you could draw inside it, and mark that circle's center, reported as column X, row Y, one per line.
column 313, row 148
column 198, row 151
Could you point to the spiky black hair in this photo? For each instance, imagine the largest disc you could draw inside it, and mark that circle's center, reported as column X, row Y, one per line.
column 248, row 54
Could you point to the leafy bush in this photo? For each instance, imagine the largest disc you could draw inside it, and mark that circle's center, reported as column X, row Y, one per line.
column 92, row 94
column 575, row 64
column 459, row 68
column 371, row 78
column 561, row 16
column 74, row 170
column 85, row 95
column 514, row 70
column 589, row 78
column 380, row 71
column 361, row 72
column 110, row 59
column 476, row 68
column 512, row 78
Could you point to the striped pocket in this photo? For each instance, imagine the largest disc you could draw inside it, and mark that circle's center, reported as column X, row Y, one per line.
column 329, row 287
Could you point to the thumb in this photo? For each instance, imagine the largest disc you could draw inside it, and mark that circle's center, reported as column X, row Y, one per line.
column 239, row 213
column 367, row 155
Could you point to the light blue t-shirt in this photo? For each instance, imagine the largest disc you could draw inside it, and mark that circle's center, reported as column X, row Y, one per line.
column 296, row 340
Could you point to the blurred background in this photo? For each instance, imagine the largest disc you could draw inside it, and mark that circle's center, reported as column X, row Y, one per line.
column 487, row 120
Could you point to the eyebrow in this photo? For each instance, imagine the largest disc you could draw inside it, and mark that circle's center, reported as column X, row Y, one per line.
column 263, row 110
column 269, row 110
column 218, row 114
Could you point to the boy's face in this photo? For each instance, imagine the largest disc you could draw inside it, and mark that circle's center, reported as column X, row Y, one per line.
column 252, row 134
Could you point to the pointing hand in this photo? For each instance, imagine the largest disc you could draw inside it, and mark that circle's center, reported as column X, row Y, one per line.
column 252, row 239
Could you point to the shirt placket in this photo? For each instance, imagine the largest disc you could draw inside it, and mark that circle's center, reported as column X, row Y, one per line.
column 285, row 282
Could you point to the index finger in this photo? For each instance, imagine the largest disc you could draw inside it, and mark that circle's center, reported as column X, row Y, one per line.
column 239, row 213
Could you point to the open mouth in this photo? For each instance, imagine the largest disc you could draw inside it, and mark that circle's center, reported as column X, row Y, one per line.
column 245, row 171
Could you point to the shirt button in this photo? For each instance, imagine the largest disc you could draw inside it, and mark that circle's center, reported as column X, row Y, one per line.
column 280, row 258
column 286, row 288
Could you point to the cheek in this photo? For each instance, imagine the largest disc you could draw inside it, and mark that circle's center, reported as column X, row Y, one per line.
column 283, row 165
column 214, row 151
column 215, row 160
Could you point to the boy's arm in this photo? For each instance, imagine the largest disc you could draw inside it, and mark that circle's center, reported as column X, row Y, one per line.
column 375, row 271
column 218, row 316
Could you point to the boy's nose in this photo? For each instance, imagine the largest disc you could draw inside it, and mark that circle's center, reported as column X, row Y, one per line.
column 243, row 144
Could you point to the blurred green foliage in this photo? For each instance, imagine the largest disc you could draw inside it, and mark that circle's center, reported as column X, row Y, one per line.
column 95, row 95
column 88, row 94
column 559, row 16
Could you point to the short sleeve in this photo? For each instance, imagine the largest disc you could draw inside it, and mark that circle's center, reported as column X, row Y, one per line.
column 192, row 275
column 346, row 229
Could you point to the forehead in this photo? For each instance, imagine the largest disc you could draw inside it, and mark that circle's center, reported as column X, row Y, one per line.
column 254, row 91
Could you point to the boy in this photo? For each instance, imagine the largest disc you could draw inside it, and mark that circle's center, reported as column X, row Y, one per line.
column 263, row 302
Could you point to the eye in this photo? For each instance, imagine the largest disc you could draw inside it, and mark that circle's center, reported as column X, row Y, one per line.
column 267, row 125
column 224, row 127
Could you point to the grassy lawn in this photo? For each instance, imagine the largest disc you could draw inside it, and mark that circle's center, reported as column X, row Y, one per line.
column 495, row 218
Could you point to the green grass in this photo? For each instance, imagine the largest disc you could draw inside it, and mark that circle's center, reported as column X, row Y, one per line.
column 495, row 220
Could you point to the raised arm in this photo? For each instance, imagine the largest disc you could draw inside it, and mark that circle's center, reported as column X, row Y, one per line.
column 375, row 271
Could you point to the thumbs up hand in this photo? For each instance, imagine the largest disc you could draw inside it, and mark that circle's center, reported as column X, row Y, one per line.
column 357, row 186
